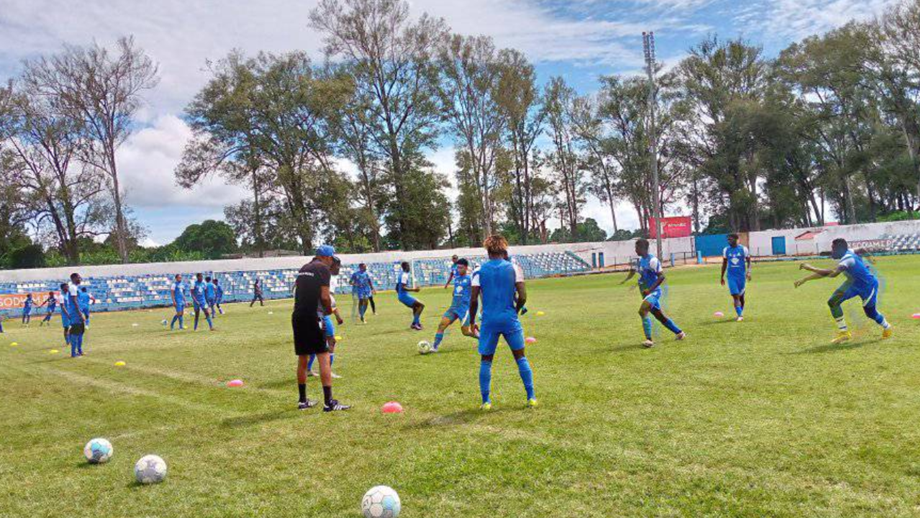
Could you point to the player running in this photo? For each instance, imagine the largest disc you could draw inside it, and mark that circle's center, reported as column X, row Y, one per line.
column 178, row 300
column 402, row 293
column 363, row 288
column 27, row 310
column 199, row 301
column 736, row 260
column 218, row 297
column 453, row 270
column 501, row 286
column 328, row 326
column 51, row 304
column 860, row 282
column 210, row 295
column 311, row 292
column 460, row 305
column 651, row 278
column 257, row 293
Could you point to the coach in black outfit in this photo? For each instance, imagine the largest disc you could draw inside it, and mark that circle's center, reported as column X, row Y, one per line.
column 311, row 293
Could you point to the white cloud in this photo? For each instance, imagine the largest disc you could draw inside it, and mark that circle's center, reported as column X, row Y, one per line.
column 147, row 162
column 796, row 19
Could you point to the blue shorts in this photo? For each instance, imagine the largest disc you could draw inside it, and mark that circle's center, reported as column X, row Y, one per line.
column 462, row 314
column 488, row 339
column 65, row 322
column 328, row 326
column 654, row 299
column 27, row 311
column 868, row 294
column 180, row 307
column 198, row 304
column 736, row 285
column 211, row 302
column 363, row 293
column 406, row 299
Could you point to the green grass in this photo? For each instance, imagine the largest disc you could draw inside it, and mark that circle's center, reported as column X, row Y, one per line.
column 762, row 418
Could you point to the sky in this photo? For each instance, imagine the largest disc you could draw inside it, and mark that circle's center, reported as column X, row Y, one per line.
column 578, row 39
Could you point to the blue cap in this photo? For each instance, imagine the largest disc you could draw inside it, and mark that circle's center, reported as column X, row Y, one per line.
column 325, row 251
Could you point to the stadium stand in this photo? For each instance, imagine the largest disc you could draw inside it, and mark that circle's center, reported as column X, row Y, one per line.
column 146, row 291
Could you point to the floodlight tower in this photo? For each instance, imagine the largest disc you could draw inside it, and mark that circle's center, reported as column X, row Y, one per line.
column 648, row 45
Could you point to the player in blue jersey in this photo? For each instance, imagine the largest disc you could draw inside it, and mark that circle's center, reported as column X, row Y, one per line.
column 75, row 318
column 460, row 305
column 210, row 295
column 51, row 305
column 218, row 297
column 651, row 278
column 860, row 282
column 453, row 270
column 85, row 299
column 27, row 309
column 736, row 261
column 178, row 299
column 327, row 324
column 501, row 287
column 362, row 287
column 199, row 301
column 65, row 320
column 402, row 293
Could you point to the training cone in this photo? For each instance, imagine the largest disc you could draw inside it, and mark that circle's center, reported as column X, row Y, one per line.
column 915, row 316
column 235, row 383
column 718, row 314
column 392, row 408
column 119, row 364
column 530, row 340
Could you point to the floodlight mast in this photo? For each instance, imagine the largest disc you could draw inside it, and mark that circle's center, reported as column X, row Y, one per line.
column 648, row 46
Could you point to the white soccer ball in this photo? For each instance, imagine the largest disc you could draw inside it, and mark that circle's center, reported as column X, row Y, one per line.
column 164, row 322
column 98, row 451
column 380, row 502
column 150, row 470
column 424, row 347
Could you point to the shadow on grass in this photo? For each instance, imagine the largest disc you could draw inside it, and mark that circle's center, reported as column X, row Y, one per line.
column 717, row 322
column 254, row 419
column 847, row 346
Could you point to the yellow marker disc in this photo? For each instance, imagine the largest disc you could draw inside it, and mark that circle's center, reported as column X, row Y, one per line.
column 53, row 351
column 337, row 337
column 540, row 313
column 14, row 344
column 119, row 364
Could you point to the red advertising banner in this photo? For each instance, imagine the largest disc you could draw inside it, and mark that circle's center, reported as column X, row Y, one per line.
column 677, row 226
column 18, row 300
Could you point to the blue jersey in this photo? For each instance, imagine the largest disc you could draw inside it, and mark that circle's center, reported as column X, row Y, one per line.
column 83, row 301
column 52, row 304
column 463, row 290
column 209, row 291
column 179, row 292
column 402, row 282
column 736, row 256
column 198, row 292
column 28, row 304
column 454, row 270
column 361, row 280
column 220, row 292
column 649, row 270
column 856, row 271
column 70, row 302
column 496, row 280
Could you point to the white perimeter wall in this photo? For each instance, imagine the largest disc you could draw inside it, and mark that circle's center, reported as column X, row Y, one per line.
column 761, row 243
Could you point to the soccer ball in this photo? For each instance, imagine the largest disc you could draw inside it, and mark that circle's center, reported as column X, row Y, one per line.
column 424, row 347
column 150, row 470
column 164, row 323
column 98, row 451
column 380, row 502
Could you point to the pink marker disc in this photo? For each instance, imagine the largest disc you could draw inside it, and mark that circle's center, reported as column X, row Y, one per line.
column 392, row 408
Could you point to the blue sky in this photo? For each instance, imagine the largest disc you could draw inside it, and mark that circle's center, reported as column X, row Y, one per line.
column 578, row 39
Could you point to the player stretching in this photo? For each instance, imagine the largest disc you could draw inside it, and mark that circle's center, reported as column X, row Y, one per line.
column 210, row 295
column 860, row 282
column 453, row 270
column 51, row 303
column 199, row 302
column 27, row 310
column 363, row 288
column 328, row 325
column 460, row 305
column 218, row 297
column 178, row 298
column 737, row 261
column 311, row 292
column 402, row 293
column 651, row 278
column 503, row 294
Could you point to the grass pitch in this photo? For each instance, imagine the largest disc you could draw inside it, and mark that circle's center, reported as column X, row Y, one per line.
column 761, row 418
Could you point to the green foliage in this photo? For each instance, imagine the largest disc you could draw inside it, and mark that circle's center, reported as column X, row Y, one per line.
column 29, row 256
column 212, row 239
column 898, row 216
column 587, row 231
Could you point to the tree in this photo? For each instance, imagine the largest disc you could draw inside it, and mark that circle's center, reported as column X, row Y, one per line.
column 425, row 206
column 212, row 238
column 468, row 89
column 566, row 164
column 587, row 231
column 391, row 59
column 102, row 90
column 587, row 127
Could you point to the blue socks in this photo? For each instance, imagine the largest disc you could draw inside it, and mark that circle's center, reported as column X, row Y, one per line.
column 73, row 345
column 739, row 310
column 362, row 309
column 172, row 325
column 647, row 327
column 210, row 323
column 526, row 376
column 331, row 359
column 672, row 326
column 310, row 362
column 437, row 340
column 416, row 318
column 485, row 380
